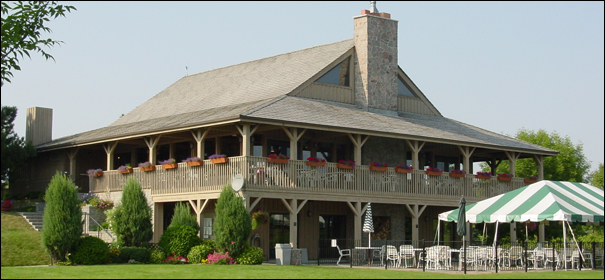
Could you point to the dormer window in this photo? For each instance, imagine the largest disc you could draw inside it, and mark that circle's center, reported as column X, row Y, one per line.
column 403, row 89
column 339, row 75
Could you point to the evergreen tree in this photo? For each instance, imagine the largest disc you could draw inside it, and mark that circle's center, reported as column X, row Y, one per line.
column 233, row 223
column 62, row 218
column 183, row 216
column 15, row 151
column 133, row 216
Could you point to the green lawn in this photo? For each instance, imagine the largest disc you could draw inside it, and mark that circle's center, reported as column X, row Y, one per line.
column 24, row 257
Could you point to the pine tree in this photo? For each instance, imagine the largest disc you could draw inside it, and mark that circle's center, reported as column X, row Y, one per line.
column 183, row 216
column 62, row 218
column 233, row 223
column 133, row 216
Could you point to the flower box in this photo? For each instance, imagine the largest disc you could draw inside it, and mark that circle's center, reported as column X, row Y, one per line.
column 195, row 163
column 126, row 170
column 170, row 165
column 483, row 177
column 457, row 175
column 147, row 168
column 504, row 178
column 378, row 168
column 278, row 160
column 344, row 166
column 313, row 163
column 402, row 170
column 219, row 160
column 529, row 181
column 94, row 173
column 433, row 173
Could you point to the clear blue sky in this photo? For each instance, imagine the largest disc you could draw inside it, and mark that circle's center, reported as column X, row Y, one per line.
column 501, row 66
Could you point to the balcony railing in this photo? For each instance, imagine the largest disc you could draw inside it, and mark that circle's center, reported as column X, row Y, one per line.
column 298, row 177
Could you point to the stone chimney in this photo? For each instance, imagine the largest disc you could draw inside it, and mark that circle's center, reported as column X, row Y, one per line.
column 376, row 60
column 39, row 125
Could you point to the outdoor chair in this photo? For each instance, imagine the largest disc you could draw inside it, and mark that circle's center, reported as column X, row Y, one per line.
column 551, row 257
column 406, row 252
column 342, row 253
column 392, row 255
column 471, row 257
column 515, row 256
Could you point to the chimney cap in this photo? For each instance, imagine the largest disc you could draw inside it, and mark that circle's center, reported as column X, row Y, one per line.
column 373, row 8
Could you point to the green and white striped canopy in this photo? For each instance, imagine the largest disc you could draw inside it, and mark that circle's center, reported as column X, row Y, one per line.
column 543, row 200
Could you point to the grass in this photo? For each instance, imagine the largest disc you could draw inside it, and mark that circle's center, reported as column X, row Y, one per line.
column 23, row 257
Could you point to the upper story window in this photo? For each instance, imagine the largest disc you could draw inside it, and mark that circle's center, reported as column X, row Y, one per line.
column 402, row 89
column 339, row 75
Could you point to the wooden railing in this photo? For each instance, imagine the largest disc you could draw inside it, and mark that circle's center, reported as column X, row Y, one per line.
column 299, row 177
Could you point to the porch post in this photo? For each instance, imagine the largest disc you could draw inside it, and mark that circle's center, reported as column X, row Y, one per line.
column 540, row 163
column 158, row 221
column 358, row 143
column 415, row 146
column 357, row 220
column 198, row 207
column 466, row 152
column 415, row 212
column 152, row 143
column 512, row 159
column 72, row 164
column 109, row 149
column 541, row 232
column 294, row 137
column 513, row 232
column 294, row 209
column 199, row 136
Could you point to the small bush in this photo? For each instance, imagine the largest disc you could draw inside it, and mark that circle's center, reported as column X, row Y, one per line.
column 199, row 253
column 251, row 255
column 218, row 258
column 157, row 257
column 179, row 240
column 139, row 254
column 114, row 255
column 91, row 250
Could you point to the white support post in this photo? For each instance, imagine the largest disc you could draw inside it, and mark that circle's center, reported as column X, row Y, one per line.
column 416, row 147
column 151, row 145
column 109, row 149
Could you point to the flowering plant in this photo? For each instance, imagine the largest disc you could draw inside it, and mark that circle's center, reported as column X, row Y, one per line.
column 314, row 159
column 192, row 159
column 535, row 178
column 145, row 164
column 505, row 175
column 101, row 204
column 124, row 168
column 487, row 174
column 408, row 167
column 176, row 259
column 280, row 156
column 378, row 164
column 457, row 171
column 347, row 162
column 434, row 169
column 218, row 258
column 92, row 173
column 168, row 161
column 216, row 156
column 259, row 217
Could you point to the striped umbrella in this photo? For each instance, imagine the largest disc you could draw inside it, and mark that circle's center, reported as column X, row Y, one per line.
column 543, row 200
column 368, row 224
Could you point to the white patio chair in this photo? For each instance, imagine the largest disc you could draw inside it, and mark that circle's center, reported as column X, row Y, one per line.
column 551, row 257
column 406, row 252
column 392, row 255
column 342, row 253
column 515, row 256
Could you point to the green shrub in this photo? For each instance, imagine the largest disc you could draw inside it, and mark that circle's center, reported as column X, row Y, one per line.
column 157, row 256
column 200, row 252
column 179, row 240
column 132, row 218
column 114, row 255
column 251, row 255
column 62, row 218
column 183, row 216
column 138, row 254
column 233, row 223
column 92, row 250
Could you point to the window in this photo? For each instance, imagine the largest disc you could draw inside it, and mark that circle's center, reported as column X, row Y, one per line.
column 339, row 75
column 402, row 89
column 207, row 227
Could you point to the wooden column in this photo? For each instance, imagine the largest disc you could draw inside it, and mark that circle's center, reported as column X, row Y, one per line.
column 198, row 207
column 294, row 137
column 467, row 152
column 415, row 146
column 199, row 136
column 109, row 149
column 357, row 220
column 415, row 212
column 151, row 145
column 294, row 209
column 512, row 159
column 540, row 163
column 72, row 164
column 158, row 221
column 357, row 143
column 246, row 132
